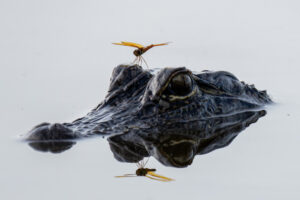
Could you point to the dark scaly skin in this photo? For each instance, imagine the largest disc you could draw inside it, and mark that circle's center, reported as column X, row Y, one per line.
column 176, row 145
column 140, row 100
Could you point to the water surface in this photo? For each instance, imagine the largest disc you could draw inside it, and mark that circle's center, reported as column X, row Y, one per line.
column 56, row 61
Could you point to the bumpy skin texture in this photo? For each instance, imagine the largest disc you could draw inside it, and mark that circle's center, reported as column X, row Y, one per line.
column 177, row 144
column 139, row 100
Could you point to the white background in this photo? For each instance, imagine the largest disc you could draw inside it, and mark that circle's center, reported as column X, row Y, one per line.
column 56, row 58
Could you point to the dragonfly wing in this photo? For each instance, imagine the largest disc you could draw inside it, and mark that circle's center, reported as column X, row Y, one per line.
column 161, row 44
column 132, row 44
column 118, row 43
column 159, row 176
column 129, row 44
column 126, row 175
column 157, row 179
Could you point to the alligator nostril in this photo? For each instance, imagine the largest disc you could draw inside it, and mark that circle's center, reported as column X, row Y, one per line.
column 39, row 132
column 46, row 131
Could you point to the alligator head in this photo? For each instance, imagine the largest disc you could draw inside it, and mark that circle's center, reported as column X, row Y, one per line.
column 140, row 100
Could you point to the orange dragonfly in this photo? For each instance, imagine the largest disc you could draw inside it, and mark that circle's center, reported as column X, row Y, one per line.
column 147, row 172
column 140, row 50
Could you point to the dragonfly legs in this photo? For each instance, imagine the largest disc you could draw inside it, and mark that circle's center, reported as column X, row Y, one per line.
column 139, row 60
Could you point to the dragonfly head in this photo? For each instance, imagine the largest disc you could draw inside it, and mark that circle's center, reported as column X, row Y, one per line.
column 143, row 171
column 138, row 52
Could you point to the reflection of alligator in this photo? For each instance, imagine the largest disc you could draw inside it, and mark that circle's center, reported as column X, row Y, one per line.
column 140, row 100
column 177, row 145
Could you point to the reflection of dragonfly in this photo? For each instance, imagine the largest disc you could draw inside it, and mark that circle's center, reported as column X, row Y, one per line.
column 147, row 172
column 140, row 50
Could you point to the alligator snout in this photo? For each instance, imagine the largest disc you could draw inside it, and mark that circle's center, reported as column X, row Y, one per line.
column 47, row 131
column 141, row 99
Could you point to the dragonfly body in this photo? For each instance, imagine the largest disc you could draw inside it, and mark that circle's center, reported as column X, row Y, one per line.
column 143, row 171
column 140, row 49
column 147, row 172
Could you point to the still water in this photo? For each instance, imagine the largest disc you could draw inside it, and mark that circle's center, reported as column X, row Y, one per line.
column 56, row 64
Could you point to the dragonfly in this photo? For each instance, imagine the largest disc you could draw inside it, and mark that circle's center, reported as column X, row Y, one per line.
column 147, row 172
column 140, row 50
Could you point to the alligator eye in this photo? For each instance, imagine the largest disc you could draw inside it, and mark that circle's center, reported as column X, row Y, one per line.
column 181, row 84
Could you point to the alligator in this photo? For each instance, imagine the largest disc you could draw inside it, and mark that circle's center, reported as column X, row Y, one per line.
column 164, row 102
column 176, row 145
